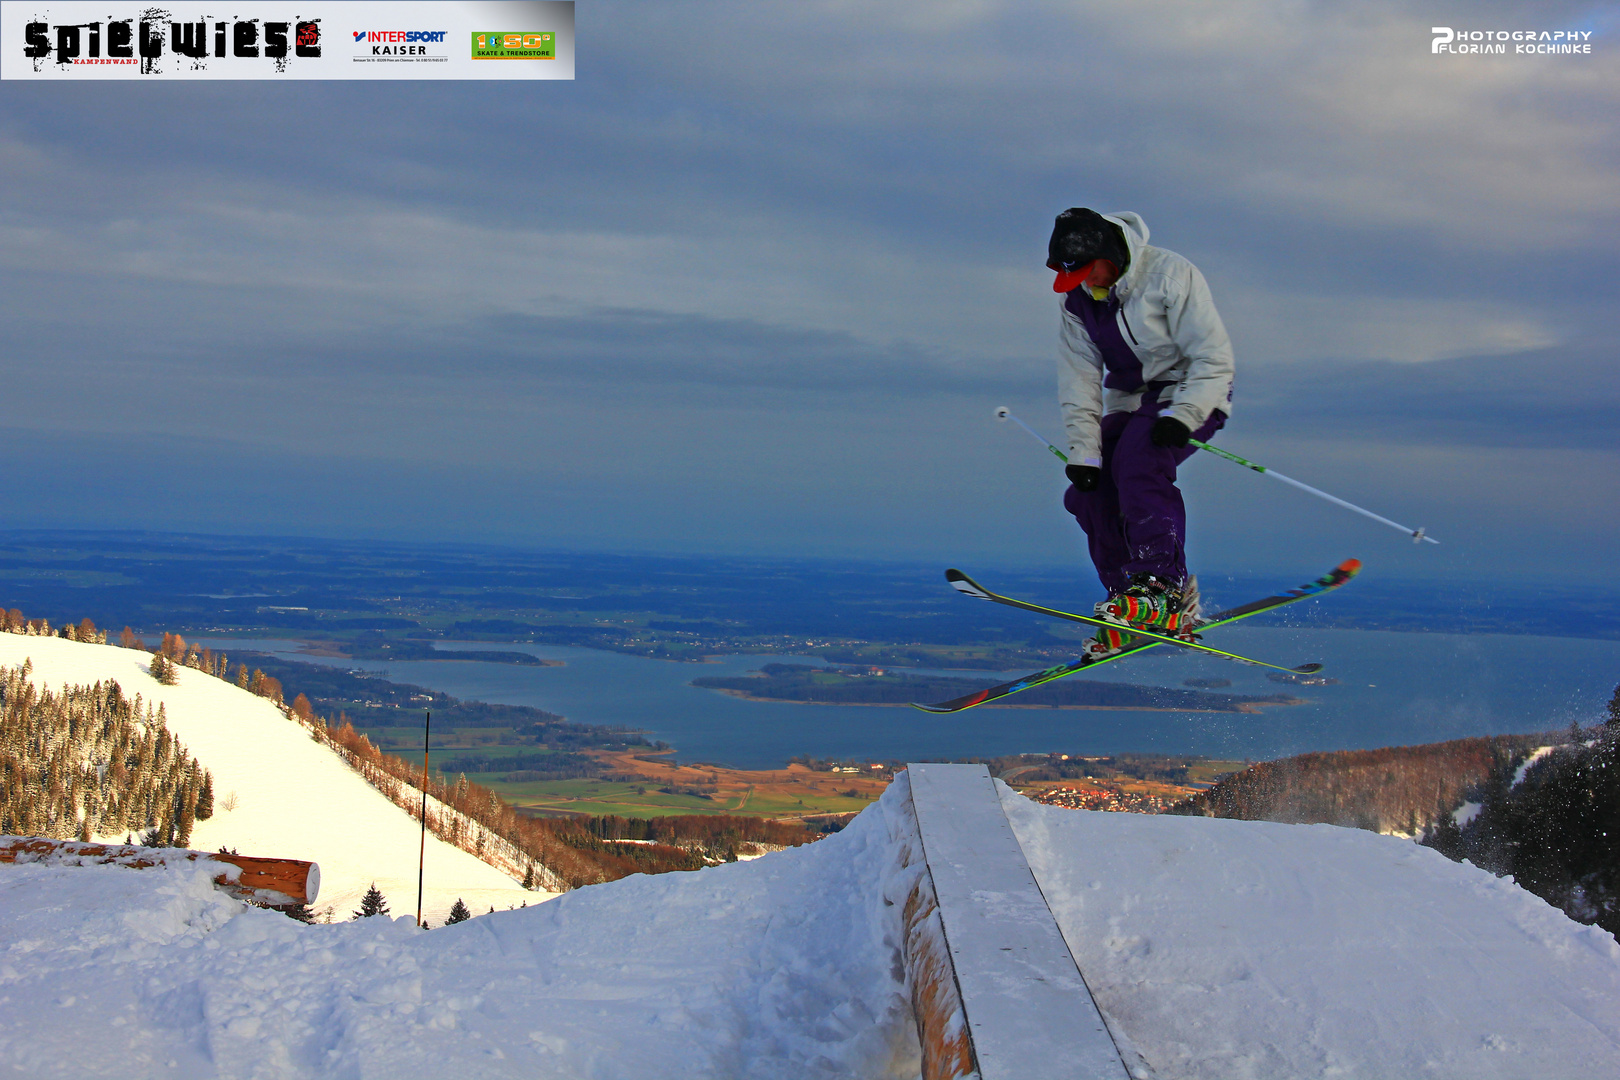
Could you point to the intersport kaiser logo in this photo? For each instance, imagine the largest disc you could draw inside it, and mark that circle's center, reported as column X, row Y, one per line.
column 400, row 44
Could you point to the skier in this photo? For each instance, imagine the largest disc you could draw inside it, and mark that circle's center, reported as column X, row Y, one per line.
column 1144, row 364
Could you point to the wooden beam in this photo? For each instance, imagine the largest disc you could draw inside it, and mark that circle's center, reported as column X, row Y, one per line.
column 268, row 882
column 936, row 999
column 1025, row 1007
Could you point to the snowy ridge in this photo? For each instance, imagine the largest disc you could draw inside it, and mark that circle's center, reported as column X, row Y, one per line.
column 451, row 825
column 785, row 966
column 278, row 790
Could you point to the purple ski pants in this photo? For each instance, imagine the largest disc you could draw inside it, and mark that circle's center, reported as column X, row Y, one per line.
column 1135, row 520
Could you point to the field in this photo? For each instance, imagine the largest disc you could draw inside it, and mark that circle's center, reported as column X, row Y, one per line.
column 641, row 785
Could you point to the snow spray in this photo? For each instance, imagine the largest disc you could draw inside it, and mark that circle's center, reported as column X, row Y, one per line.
column 1418, row 535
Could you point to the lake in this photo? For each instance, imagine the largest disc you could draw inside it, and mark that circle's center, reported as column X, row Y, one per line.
column 1396, row 688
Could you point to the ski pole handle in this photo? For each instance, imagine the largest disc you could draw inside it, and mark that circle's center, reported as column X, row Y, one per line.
column 1004, row 413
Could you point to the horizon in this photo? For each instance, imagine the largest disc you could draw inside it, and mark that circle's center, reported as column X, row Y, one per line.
column 1080, row 569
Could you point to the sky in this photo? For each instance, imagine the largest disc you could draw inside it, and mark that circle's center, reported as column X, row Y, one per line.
column 755, row 281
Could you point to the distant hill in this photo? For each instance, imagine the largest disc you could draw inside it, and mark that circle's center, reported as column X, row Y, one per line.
column 1393, row 789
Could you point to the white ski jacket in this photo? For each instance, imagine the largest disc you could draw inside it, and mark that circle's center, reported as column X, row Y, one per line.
column 1168, row 321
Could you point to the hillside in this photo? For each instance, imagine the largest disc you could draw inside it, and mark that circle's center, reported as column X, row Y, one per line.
column 1392, row 789
column 1217, row 948
column 276, row 791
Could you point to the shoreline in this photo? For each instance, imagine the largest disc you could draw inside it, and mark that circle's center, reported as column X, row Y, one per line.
column 1248, row 708
column 333, row 652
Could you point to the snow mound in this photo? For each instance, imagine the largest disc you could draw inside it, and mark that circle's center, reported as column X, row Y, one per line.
column 277, row 792
column 785, row 966
column 1252, row 949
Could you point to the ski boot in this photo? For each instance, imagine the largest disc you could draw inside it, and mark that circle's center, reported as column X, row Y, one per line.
column 1150, row 603
column 1108, row 642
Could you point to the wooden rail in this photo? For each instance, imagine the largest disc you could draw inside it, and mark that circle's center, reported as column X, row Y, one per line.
column 995, row 988
column 269, row 882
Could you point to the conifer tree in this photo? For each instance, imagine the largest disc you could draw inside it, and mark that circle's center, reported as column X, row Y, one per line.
column 185, row 810
column 162, row 669
column 1443, row 835
column 205, row 797
column 528, row 878
column 373, row 903
column 458, row 913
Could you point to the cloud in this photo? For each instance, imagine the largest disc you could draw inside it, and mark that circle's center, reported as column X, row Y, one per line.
column 1561, row 398
column 765, row 287
column 1288, row 326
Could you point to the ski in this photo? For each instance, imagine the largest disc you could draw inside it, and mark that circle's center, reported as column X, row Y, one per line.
column 968, row 587
column 1326, row 583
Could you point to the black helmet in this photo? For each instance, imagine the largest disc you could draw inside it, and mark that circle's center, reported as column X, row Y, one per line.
column 1081, row 236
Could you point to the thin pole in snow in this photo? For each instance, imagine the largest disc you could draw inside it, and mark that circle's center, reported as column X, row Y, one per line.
column 1418, row 536
column 421, row 858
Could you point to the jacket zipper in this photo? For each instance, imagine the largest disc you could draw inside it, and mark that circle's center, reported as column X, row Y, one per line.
column 1127, row 323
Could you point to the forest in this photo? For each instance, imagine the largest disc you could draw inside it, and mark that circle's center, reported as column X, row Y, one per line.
column 1392, row 789
column 89, row 761
column 1557, row 830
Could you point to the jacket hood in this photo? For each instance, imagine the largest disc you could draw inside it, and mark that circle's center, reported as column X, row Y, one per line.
column 1136, row 235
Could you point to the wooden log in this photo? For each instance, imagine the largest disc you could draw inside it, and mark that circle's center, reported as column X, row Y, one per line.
column 269, row 882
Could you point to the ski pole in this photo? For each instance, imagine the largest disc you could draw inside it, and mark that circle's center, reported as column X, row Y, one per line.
column 1418, row 535
column 421, row 859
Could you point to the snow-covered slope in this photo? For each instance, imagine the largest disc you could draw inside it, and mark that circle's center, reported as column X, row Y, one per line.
column 780, row 967
column 1217, row 948
column 1252, row 949
column 293, row 797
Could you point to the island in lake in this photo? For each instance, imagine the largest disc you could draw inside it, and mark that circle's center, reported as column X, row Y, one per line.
column 804, row 684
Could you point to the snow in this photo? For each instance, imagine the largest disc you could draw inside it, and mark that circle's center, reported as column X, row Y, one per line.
column 293, row 798
column 1214, row 948
column 1524, row 766
column 785, row 966
column 1252, row 949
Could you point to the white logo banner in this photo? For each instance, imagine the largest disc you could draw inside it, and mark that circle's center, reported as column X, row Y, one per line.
column 278, row 39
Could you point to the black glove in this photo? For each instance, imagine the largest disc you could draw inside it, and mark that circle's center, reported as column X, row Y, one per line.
column 1083, row 477
column 1168, row 431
